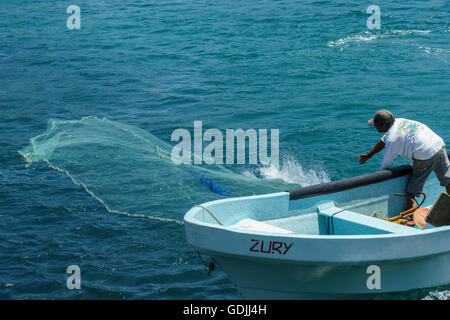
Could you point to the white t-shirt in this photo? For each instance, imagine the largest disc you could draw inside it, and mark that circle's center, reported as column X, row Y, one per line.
column 409, row 139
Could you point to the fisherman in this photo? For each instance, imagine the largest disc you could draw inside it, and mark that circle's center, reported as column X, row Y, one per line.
column 413, row 140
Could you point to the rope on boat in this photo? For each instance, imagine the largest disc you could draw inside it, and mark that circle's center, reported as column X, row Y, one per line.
column 402, row 218
column 211, row 214
column 211, row 266
column 381, row 211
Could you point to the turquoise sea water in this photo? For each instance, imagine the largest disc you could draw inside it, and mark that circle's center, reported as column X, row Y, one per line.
column 102, row 102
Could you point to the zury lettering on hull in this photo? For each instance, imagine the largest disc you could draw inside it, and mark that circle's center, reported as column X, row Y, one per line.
column 270, row 247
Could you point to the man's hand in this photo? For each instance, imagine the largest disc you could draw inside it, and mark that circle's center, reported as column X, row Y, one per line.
column 366, row 156
column 363, row 158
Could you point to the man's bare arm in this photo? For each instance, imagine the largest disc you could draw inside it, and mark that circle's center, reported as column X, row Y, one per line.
column 366, row 156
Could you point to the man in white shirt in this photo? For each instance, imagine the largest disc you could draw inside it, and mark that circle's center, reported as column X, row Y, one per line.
column 414, row 140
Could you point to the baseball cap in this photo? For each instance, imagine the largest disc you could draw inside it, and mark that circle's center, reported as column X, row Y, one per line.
column 382, row 117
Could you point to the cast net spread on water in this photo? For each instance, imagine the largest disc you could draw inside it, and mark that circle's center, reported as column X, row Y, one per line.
column 130, row 171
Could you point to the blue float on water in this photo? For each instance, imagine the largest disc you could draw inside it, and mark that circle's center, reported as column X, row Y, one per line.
column 321, row 242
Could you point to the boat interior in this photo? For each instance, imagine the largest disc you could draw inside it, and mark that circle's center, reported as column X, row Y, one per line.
column 350, row 210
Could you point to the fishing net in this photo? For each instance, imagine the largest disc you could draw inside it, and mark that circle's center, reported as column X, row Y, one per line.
column 130, row 171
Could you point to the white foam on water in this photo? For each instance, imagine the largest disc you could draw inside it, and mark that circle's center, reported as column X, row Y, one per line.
column 368, row 36
column 435, row 51
column 438, row 295
column 291, row 171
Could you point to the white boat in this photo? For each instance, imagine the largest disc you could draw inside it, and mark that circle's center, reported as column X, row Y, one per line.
column 321, row 242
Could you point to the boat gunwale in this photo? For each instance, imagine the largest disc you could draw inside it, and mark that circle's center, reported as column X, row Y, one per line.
column 233, row 229
column 351, row 183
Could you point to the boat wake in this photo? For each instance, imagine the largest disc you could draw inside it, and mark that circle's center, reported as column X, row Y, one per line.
column 368, row 36
column 130, row 171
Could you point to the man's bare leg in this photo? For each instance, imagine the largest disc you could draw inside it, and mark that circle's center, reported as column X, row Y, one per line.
column 448, row 189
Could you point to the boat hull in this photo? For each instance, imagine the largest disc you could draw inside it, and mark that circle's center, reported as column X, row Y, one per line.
column 265, row 279
column 324, row 267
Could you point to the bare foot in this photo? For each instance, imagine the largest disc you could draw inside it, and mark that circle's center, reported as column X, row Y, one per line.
column 419, row 217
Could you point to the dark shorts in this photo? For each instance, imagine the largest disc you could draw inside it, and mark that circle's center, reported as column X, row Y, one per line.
column 422, row 169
